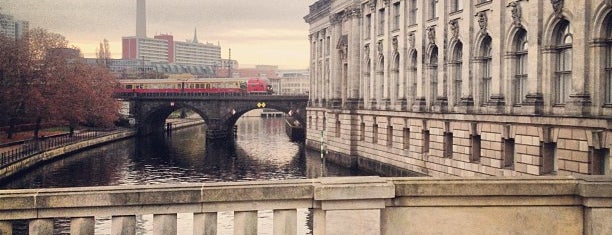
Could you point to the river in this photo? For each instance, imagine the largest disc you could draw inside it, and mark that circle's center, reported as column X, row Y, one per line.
column 261, row 151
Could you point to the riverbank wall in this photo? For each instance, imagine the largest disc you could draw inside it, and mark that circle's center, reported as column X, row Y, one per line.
column 40, row 158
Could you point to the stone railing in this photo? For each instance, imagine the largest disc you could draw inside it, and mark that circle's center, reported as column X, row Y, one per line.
column 351, row 205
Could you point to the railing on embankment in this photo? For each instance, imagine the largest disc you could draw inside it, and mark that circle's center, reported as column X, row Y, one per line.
column 351, row 205
column 33, row 152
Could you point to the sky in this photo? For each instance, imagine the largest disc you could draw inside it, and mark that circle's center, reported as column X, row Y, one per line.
column 270, row 32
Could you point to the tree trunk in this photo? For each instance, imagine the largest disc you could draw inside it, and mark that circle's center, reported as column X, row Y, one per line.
column 37, row 128
column 10, row 131
column 71, row 129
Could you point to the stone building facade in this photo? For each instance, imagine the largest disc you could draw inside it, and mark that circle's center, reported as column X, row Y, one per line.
column 463, row 87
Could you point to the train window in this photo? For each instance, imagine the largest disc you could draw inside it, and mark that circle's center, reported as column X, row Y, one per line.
column 128, row 86
column 191, row 86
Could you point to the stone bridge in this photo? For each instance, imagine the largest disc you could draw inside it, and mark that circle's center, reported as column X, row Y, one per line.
column 219, row 111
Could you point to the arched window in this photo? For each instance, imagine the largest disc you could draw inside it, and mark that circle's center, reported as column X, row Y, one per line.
column 412, row 73
column 457, row 63
column 433, row 73
column 395, row 74
column 608, row 67
column 563, row 68
column 487, row 60
column 519, row 82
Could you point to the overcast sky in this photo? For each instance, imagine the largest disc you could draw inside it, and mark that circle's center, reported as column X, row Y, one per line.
column 258, row 31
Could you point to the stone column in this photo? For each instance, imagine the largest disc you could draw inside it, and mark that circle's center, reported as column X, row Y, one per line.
column 123, row 225
column 82, row 226
column 6, row 228
column 245, row 223
column 354, row 56
column 205, row 223
column 285, row 222
column 579, row 103
column 535, row 71
column 335, row 60
column 41, row 227
column 164, row 224
column 343, row 202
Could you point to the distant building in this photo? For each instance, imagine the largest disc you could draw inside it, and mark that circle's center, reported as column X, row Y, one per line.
column 162, row 48
column 12, row 28
column 122, row 68
column 294, row 82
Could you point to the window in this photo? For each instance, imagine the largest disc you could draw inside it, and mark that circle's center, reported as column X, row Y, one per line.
column 508, row 153
column 390, row 136
column 457, row 63
column 338, row 124
column 519, row 83
column 381, row 21
column 475, row 145
column 413, row 12
column 433, row 9
column 425, row 141
column 406, row 138
column 456, row 5
column 448, row 145
column 600, row 161
column 375, row 133
column 549, row 160
column 563, row 70
column 412, row 70
column 486, row 70
column 396, row 16
column 608, row 82
column 433, row 75
column 362, row 129
column 327, row 45
column 368, row 26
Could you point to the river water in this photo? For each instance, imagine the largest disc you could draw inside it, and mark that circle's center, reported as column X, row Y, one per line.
column 261, row 151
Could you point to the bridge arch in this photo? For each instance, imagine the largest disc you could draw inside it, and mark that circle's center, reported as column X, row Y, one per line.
column 155, row 118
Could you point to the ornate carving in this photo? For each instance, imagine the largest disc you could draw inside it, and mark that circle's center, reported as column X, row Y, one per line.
column 515, row 10
column 379, row 44
column 454, row 28
column 411, row 40
column 386, row 2
column 394, row 42
column 557, row 7
column 336, row 18
column 482, row 20
column 431, row 34
column 609, row 2
column 353, row 12
column 372, row 4
column 343, row 47
column 366, row 51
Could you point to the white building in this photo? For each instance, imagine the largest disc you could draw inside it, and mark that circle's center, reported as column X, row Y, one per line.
column 197, row 53
column 294, row 82
column 12, row 28
column 464, row 87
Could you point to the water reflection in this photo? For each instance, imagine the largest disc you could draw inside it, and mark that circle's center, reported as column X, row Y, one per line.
column 261, row 151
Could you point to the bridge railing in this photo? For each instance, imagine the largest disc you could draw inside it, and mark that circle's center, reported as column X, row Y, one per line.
column 198, row 94
column 351, row 205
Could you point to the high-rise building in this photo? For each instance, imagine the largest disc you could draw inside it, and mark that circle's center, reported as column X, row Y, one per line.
column 12, row 28
column 163, row 48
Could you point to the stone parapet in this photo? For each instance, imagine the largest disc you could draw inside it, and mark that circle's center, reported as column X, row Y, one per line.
column 568, row 205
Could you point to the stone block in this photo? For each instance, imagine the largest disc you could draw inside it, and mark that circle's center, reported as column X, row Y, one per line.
column 285, row 222
column 205, row 223
column 344, row 222
column 572, row 166
column 597, row 221
column 565, row 133
column 82, row 226
column 245, row 223
column 40, row 227
column 580, row 156
column 579, row 134
column 572, row 144
column 533, row 170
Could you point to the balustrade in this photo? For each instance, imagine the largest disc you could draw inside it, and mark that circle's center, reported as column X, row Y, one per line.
column 351, row 205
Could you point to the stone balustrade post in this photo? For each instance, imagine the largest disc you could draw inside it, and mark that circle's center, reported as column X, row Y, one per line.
column 41, row 227
column 82, row 226
column 205, row 223
column 6, row 228
column 123, row 225
column 340, row 202
column 164, row 224
column 285, row 222
column 245, row 223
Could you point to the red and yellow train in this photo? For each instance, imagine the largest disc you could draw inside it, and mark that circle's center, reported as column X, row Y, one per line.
column 196, row 85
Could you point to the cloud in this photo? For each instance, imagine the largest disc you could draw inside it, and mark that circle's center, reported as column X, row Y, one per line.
column 259, row 27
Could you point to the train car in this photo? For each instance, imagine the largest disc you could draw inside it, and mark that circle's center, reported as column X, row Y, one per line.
column 196, row 85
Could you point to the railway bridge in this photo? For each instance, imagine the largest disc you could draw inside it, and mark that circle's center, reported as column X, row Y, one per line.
column 219, row 111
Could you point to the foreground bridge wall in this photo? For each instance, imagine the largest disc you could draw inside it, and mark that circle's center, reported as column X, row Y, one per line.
column 543, row 205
